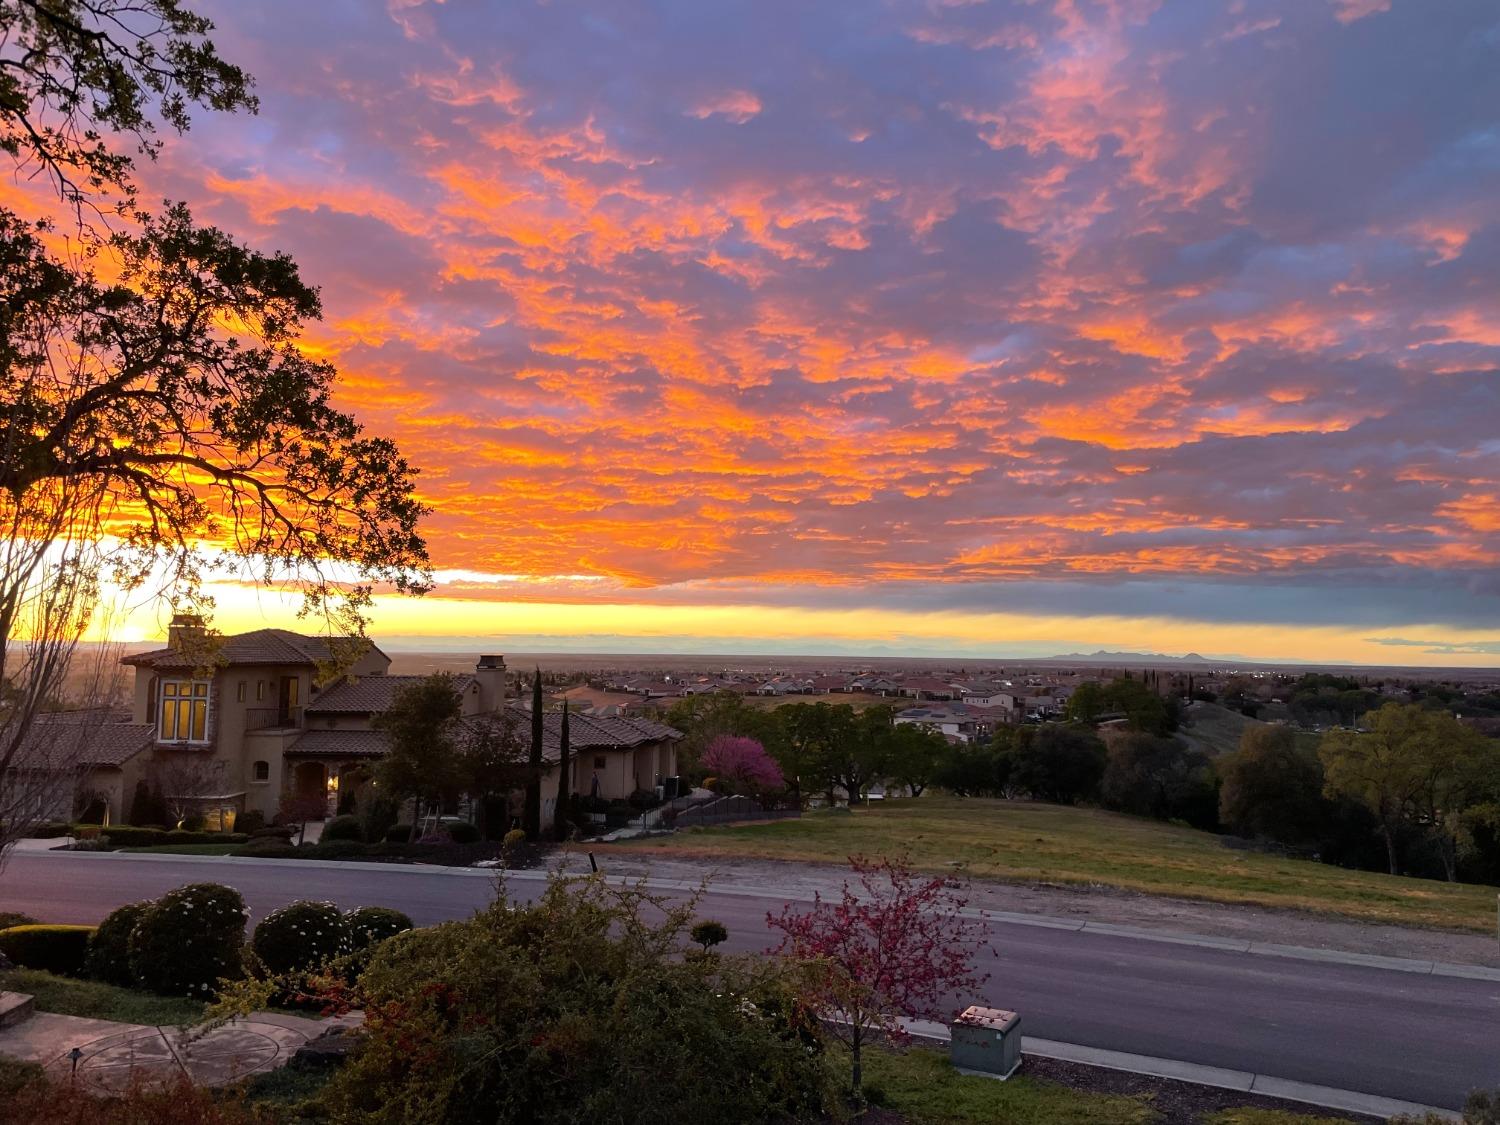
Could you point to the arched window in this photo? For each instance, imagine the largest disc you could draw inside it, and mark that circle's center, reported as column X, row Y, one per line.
column 262, row 771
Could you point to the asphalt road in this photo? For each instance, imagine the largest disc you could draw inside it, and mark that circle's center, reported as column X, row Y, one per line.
column 1415, row 1037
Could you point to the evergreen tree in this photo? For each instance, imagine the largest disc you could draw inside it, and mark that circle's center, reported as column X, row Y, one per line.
column 564, row 789
column 531, row 818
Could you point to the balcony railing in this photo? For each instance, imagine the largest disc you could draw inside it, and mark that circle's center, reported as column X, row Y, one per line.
column 273, row 718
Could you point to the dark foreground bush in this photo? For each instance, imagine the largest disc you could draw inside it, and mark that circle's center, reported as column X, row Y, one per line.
column 109, row 952
column 56, row 949
column 301, row 937
column 371, row 925
column 576, row 1008
column 343, row 828
column 462, row 832
column 188, row 939
column 398, row 834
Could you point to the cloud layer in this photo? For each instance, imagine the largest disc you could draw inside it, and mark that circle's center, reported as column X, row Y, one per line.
column 920, row 300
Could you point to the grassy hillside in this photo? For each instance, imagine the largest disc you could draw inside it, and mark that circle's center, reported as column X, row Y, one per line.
column 1216, row 730
column 1027, row 842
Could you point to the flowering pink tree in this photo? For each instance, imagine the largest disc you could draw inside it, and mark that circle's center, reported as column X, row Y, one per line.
column 744, row 764
column 895, row 945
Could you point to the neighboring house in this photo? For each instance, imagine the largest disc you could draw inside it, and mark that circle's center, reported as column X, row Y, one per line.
column 77, row 762
column 955, row 721
column 248, row 718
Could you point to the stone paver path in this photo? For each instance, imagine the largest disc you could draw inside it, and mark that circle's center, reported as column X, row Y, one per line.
column 160, row 1054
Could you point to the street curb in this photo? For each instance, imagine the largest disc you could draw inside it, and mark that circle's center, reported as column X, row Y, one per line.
column 1004, row 917
column 1325, row 1097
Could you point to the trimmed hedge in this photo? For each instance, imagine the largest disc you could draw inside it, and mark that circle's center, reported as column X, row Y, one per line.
column 126, row 836
column 462, row 832
column 343, row 828
column 250, row 821
column 300, row 937
column 52, row 831
column 398, row 834
column 54, row 949
column 334, row 849
column 109, row 952
column 371, row 925
column 188, row 939
column 268, row 849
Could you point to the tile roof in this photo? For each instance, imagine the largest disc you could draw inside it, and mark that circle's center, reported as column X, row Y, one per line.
column 339, row 744
column 370, row 695
column 95, row 738
column 592, row 732
column 261, row 646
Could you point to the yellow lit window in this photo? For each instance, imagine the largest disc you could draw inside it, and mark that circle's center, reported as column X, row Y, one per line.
column 184, row 711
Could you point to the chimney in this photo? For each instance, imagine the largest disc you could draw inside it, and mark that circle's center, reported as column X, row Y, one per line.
column 490, row 675
column 186, row 632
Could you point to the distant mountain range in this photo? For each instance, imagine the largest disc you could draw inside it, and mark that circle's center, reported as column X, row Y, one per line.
column 1102, row 657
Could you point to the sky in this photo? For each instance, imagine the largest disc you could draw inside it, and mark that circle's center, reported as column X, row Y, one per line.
column 1001, row 328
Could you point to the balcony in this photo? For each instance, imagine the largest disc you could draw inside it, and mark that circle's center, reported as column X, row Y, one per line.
column 273, row 718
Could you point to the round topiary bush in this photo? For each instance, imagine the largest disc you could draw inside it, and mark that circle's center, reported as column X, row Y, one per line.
column 188, row 939
column 250, row 821
column 301, row 937
column 513, row 839
column 371, row 925
column 343, row 828
column 398, row 834
column 109, row 952
column 54, row 949
column 462, row 832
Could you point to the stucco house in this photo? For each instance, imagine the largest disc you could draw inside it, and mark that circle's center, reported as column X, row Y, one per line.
column 240, row 720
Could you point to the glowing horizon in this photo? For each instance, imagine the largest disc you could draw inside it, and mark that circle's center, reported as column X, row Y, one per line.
column 1104, row 323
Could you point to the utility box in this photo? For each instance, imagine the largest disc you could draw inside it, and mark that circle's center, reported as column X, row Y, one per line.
column 987, row 1040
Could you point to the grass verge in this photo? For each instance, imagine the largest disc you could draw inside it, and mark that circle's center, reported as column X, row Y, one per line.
column 93, row 1000
column 924, row 1088
column 1026, row 842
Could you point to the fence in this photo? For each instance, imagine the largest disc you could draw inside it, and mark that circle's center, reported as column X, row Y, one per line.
column 727, row 809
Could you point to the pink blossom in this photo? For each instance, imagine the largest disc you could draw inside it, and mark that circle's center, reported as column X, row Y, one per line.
column 744, row 763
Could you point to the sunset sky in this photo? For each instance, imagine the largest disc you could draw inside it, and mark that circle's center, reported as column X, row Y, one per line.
column 983, row 328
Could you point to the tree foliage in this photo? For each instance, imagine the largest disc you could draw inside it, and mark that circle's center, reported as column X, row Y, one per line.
column 1271, row 789
column 421, row 727
column 743, row 766
column 1414, row 766
column 578, row 1007
column 897, row 946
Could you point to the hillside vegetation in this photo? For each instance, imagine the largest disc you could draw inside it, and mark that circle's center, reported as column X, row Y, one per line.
column 1032, row 842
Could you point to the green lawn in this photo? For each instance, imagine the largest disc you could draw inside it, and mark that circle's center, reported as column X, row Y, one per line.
column 1021, row 841
column 69, row 997
column 187, row 849
column 923, row 1086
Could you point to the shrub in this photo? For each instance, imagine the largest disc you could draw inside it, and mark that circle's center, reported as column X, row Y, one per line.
column 513, row 839
column 250, row 822
column 343, row 828
column 709, row 933
column 181, row 836
column 109, row 952
column 124, row 836
column 398, row 834
column 301, row 937
column 275, row 832
column 266, row 848
column 12, row 918
column 462, row 832
column 530, row 1012
column 52, row 831
column 188, row 939
column 370, row 925
column 378, row 813
column 56, row 949
column 333, row 849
